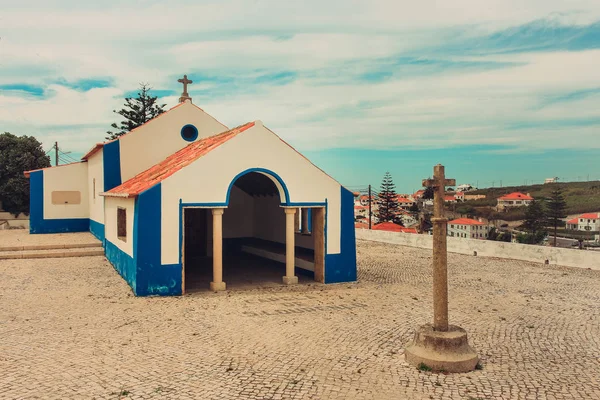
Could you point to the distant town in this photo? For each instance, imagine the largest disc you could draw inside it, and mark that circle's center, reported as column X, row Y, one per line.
column 535, row 214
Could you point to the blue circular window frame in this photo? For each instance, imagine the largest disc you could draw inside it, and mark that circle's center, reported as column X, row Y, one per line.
column 194, row 136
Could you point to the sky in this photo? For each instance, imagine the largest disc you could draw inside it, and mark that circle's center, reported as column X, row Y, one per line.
column 501, row 92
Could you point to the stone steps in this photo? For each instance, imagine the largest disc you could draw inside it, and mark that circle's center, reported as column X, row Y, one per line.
column 51, row 251
column 50, row 246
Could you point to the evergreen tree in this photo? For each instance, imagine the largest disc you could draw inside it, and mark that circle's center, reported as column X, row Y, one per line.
column 556, row 209
column 18, row 154
column 387, row 204
column 535, row 222
column 137, row 112
column 428, row 194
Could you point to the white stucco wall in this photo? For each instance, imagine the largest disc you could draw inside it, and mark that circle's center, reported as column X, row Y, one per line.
column 207, row 179
column 156, row 140
column 95, row 171
column 110, row 225
column 70, row 177
column 489, row 248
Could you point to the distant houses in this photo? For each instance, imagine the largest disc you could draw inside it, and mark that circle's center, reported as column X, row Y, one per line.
column 585, row 222
column 468, row 228
column 392, row 227
column 515, row 199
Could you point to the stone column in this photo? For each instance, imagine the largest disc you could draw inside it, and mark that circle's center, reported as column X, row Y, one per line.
column 440, row 269
column 305, row 221
column 290, row 256
column 217, row 284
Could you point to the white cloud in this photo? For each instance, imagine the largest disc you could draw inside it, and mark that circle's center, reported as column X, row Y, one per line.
column 334, row 41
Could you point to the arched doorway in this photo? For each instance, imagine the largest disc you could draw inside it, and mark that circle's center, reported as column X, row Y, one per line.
column 265, row 240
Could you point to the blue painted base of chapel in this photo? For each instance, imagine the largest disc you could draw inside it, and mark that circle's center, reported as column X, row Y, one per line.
column 342, row 267
column 97, row 229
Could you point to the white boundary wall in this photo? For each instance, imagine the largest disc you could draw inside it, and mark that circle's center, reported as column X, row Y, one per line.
column 487, row 248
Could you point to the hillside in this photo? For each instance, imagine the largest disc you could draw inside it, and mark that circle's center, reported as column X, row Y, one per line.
column 581, row 197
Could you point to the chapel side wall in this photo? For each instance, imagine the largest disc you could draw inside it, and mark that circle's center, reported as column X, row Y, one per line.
column 255, row 148
column 161, row 137
column 95, row 187
column 110, row 226
column 489, row 248
column 66, row 178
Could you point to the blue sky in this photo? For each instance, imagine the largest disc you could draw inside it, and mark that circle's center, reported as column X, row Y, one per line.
column 497, row 90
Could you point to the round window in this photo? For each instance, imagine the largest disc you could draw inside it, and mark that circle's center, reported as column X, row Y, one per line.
column 189, row 133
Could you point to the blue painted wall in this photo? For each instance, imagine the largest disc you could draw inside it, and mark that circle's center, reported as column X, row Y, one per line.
column 342, row 267
column 97, row 229
column 37, row 223
column 122, row 262
column 111, row 161
column 153, row 278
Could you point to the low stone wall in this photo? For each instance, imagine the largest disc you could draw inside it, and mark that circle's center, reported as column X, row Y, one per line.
column 487, row 248
column 8, row 221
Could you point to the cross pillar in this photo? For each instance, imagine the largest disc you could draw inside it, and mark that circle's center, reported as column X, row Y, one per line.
column 217, row 283
column 290, row 246
column 185, row 96
column 441, row 346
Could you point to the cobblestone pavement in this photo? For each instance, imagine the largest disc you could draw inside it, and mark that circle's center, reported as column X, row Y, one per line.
column 70, row 328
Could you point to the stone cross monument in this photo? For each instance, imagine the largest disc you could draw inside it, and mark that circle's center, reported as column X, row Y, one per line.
column 185, row 96
column 441, row 346
column 440, row 261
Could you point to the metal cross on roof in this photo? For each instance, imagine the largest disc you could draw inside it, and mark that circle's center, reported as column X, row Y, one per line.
column 184, row 96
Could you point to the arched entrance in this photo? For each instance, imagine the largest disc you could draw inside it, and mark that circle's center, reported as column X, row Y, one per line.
column 257, row 238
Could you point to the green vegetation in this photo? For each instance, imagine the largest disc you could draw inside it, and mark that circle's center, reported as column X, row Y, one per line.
column 556, row 210
column 136, row 112
column 388, row 200
column 423, row 367
column 580, row 197
column 18, row 154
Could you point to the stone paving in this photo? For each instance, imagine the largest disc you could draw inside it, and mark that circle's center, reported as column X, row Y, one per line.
column 71, row 329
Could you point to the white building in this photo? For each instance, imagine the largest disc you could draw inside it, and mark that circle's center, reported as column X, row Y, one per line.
column 515, row 199
column 468, row 228
column 183, row 186
column 589, row 222
column 404, row 203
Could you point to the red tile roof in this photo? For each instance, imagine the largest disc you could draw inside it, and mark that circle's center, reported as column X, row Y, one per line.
column 515, row 196
column 391, row 227
column 573, row 221
column 449, row 198
column 465, row 221
column 404, row 200
column 181, row 159
column 589, row 216
column 361, row 207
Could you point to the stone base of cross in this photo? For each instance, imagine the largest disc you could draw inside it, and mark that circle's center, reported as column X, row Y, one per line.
column 440, row 346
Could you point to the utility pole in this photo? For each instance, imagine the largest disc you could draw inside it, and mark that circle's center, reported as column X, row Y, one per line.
column 55, row 153
column 369, row 206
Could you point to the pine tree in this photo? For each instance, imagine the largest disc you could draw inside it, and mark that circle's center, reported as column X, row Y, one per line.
column 387, row 204
column 556, row 209
column 428, row 193
column 535, row 221
column 137, row 112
